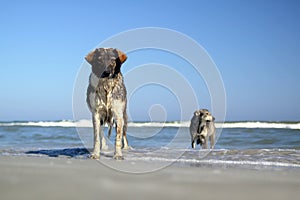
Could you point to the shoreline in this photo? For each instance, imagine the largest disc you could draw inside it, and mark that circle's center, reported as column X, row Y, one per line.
column 29, row 177
column 217, row 158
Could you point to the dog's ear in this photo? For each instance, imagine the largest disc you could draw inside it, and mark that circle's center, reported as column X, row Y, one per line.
column 122, row 56
column 201, row 112
column 90, row 57
column 213, row 119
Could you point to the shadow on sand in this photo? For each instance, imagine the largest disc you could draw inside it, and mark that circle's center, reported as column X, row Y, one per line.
column 70, row 152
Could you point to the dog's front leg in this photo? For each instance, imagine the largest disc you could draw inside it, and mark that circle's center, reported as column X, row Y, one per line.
column 204, row 141
column 204, row 145
column 118, row 144
column 96, row 125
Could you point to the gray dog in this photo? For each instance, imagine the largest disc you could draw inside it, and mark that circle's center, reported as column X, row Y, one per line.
column 106, row 98
column 202, row 128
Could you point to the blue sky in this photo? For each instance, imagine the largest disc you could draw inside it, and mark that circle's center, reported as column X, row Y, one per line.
column 255, row 45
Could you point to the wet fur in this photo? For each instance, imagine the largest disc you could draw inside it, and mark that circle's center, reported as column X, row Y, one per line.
column 202, row 129
column 106, row 98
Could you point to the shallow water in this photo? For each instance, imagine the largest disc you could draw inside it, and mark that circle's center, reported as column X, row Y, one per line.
column 236, row 147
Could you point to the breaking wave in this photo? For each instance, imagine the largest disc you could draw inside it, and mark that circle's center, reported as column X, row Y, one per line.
column 88, row 123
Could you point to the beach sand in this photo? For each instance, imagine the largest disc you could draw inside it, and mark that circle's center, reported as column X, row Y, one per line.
column 25, row 177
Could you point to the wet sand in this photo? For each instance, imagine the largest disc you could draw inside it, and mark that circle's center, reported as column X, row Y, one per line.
column 46, row 178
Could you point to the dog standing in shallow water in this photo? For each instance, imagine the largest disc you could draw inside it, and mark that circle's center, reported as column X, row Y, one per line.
column 106, row 98
column 203, row 128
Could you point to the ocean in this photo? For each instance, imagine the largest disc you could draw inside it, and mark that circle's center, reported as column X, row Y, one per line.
column 254, row 145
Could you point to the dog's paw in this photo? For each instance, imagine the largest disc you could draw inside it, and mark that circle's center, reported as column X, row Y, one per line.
column 127, row 148
column 94, row 156
column 118, row 157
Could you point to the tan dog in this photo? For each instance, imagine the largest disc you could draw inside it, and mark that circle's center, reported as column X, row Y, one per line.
column 202, row 128
column 106, row 98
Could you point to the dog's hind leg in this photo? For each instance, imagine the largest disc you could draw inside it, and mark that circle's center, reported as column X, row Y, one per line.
column 110, row 127
column 97, row 130
column 193, row 144
column 125, row 145
column 110, row 123
column 204, row 146
column 102, row 137
column 103, row 140
column 212, row 141
column 125, row 142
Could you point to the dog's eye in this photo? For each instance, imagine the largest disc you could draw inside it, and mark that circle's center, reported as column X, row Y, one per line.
column 100, row 60
column 113, row 62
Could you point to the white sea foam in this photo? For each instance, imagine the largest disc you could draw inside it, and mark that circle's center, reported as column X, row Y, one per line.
column 41, row 124
column 246, row 162
column 159, row 124
column 216, row 162
column 88, row 123
column 280, row 125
